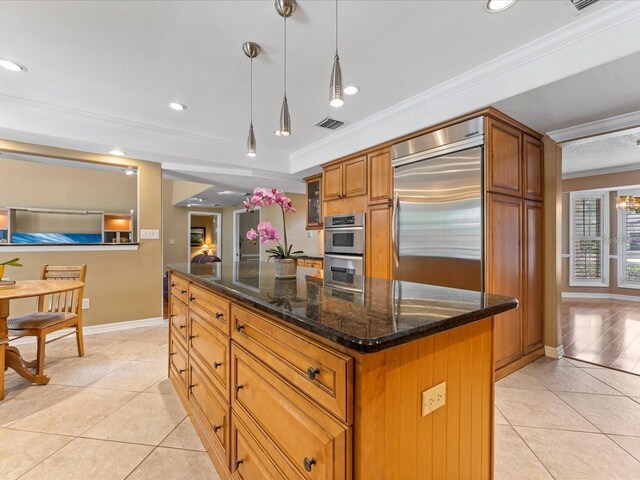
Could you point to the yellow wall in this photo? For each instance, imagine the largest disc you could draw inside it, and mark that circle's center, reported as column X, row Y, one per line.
column 122, row 285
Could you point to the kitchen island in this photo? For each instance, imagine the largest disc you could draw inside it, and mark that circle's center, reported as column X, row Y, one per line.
column 292, row 378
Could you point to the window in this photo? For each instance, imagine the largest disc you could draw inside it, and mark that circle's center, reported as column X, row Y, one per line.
column 629, row 247
column 588, row 225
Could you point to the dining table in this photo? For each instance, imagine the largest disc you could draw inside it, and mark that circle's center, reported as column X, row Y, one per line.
column 9, row 355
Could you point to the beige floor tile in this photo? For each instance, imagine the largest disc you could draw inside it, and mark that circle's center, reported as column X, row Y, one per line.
column 514, row 459
column 537, row 408
column 21, row 402
column 580, row 364
column 580, row 456
column 184, row 436
column 76, row 413
column 498, row 418
column 552, row 362
column 67, row 347
column 21, row 451
column 163, row 387
column 82, row 371
column 521, row 380
column 615, row 415
column 133, row 423
column 568, row 380
column 133, row 376
column 623, row 382
column 158, row 355
column 630, row 444
column 171, row 464
column 129, row 350
column 85, row 459
column 142, row 334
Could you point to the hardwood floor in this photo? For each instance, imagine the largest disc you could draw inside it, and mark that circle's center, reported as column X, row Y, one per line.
column 603, row 332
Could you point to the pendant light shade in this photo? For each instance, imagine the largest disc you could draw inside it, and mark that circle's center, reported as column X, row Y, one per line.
column 336, row 92
column 251, row 50
column 285, row 9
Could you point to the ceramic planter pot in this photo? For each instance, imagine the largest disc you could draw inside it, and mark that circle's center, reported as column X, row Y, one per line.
column 285, row 267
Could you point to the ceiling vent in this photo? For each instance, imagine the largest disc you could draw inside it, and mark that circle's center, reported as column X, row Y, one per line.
column 580, row 4
column 329, row 123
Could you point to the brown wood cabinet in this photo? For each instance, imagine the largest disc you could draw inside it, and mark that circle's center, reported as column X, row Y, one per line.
column 302, row 407
column 533, row 167
column 378, row 255
column 503, row 157
column 345, row 179
column 314, row 202
column 533, row 275
column 380, row 177
column 310, row 263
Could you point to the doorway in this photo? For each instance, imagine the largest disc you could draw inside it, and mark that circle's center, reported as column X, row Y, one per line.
column 204, row 236
column 243, row 249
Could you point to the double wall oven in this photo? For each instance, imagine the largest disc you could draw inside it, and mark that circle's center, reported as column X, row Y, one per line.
column 344, row 239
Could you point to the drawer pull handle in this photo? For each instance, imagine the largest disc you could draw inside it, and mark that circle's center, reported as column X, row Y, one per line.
column 172, row 354
column 219, row 315
column 238, row 387
column 308, row 463
column 312, row 373
column 192, row 298
column 217, row 364
column 191, row 386
column 191, row 337
column 183, row 326
column 183, row 292
column 216, row 428
column 182, row 370
column 172, row 315
column 173, row 284
column 239, row 327
column 238, row 463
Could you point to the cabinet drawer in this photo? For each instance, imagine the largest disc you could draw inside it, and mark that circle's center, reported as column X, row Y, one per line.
column 314, row 264
column 314, row 443
column 250, row 460
column 210, row 348
column 178, row 318
column 324, row 375
column 211, row 410
column 180, row 287
column 178, row 362
column 211, row 307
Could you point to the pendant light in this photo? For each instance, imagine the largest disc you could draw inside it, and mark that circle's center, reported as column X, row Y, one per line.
column 285, row 9
column 251, row 50
column 336, row 96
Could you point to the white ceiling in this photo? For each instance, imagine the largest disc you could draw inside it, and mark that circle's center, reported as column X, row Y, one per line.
column 100, row 73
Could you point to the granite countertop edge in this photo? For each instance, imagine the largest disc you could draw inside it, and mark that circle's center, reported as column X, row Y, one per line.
column 355, row 343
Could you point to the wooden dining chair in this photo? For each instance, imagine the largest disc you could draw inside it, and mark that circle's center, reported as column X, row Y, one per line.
column 54, row 312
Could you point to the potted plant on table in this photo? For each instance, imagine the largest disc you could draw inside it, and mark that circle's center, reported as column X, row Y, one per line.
column 282, row 254
column 14, row 262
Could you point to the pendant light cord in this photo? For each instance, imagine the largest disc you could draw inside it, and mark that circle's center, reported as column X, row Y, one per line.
column 336, row 28
column 285, row 57
column 251, row 94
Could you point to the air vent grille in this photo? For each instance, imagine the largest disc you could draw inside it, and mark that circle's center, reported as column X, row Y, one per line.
column 580, row 4
column 329, row 123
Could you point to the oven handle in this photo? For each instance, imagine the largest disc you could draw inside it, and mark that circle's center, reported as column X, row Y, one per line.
column 394, row 229
column 344, row 257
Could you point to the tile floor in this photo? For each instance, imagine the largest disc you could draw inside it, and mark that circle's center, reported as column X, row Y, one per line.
column 113, row 415
column 603, row 332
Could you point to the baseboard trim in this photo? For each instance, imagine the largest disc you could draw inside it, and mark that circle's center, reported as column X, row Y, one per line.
column 605, row 296
column 95, row 329
column 518, row 364
column 554, row 352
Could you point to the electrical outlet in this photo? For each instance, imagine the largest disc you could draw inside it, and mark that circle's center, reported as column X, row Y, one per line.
column 310, row 234
column 85, row 303
column 147, row 234
column 172, row 241
column 434, row 398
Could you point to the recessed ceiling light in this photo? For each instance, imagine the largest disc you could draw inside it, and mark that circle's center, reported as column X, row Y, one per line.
column 177, row 106
column 117, row 153
column 494, row 6
column 351, row 90
column 13, row 66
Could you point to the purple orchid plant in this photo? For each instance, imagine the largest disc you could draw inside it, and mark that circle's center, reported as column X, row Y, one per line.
column 267, row 232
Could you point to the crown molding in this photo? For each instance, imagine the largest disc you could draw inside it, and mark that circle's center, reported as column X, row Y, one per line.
column 562, row 53
column 599, row 171
column 599, row 127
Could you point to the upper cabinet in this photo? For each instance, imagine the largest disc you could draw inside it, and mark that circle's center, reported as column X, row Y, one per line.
column 314, row 202
column 533, row 167
column 345, row 179
column 503, row 150
column 380, row 177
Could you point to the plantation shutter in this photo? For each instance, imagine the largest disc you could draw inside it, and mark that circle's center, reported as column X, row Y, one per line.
column 587, row 239
column 630, row 261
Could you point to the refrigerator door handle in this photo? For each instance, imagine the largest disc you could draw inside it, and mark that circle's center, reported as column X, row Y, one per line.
column 394, row 230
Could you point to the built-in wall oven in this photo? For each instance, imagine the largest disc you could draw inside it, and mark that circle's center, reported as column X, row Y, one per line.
column 344, row 239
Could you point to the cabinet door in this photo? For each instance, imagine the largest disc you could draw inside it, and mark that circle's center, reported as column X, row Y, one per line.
column 378, row 242
column 504, row 169
column 532, row 155
column 533, row 293
column 314, row 203
column 380, row 177
column 504, row 272
column 332, row 182
column 354, row 173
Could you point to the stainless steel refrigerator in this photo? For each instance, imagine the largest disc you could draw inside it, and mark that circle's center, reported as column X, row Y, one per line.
column 438, row 207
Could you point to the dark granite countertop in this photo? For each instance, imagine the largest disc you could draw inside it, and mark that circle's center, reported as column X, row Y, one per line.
column 386, row 314
column 311, row 257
